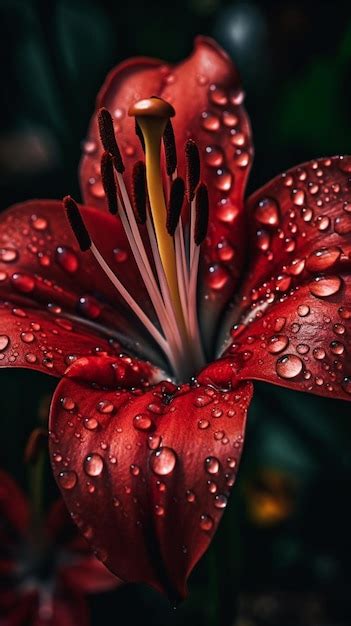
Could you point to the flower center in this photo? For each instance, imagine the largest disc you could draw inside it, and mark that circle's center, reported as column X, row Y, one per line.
column 170, row 276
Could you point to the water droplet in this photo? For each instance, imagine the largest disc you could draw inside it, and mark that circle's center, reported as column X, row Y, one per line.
column 319, row 354
column 345, row 164
column 217, row 277
column 30, row 358
column 212, row 465
column 218, row 96
column 323, row 222
column 23, row 282
column 203, row 424
column 93, row 464
column 134, row 470
column 89, row 147
column 67, row 479
column 90, row 423
column 66, row 259
column 229, row 119
column 8, row 255
column 89, row 307
column 289, row 366
column 39, row 223
column 322, row 259
column 27, row 337
column 303, row 310
column 237, row 138
column 4, row 342
column 142, row 422
column 220, row 501
column 159, row 510
column 337, row 347
column 163, row 461
column 263, row 240
column 214, row 156
column 339, row 329
column 302, row 348
column 105, row 406
column 224, row 179
column 346, row 384
column 298, row 197
column 210, row 121
column 277, row 343
column 206, row 522
column 267, row 212
column 68, row 404
column 324, row 286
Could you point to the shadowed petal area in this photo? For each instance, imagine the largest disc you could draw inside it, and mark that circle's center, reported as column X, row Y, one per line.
column 295, row 308
column 14, row 512
column 148, row 474
column 206, row 92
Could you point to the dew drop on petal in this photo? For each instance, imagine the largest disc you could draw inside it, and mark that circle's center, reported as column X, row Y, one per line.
column 220, row 501
column 346, row 384
column 67, row 479
column 267, row 212
column 23, row 282
column 90, row 423
column 210, row 121
column 217, row 277
column 303, row 310
column 224, row 179
column 206, row 522
column 8, row 255
column 214, row 156
column 212, row 465
column 322, row 259
column 93, row 464
column 4, row 342
column 163, row 461
column 142, row 422
column 67, row 259
column 277, row 343
column 324, row 286
column 289, row 366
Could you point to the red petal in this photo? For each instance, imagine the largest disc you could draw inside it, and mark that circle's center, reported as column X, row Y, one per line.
column 298, row 291
column 206, row 93
column 41, row 265
column 140, row 489
column 88, row 575
column 13, row 508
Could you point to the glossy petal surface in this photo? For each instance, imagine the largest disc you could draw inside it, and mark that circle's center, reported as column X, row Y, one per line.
column 296, row 302
column 149, row 499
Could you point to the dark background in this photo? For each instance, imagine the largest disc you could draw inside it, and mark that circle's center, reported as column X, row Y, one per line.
column 282, row 554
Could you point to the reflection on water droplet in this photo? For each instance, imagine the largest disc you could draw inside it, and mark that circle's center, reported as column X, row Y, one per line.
column 93, row 464
column 142, row 422
column 220, row 501
column 23, row 282
column 214, row 156
column 303, row 310
column 8, row 255
column 217, row 95
column 39, row 223
column 90, row 423
column 324, row 286
column 163, row 461
column 67, row 259
column 217, row 277
column 346, row 384
column 210, row 121
column 277, row 343
column 267, row 212
column 89, row 307
column 322, row 259
column 206, row 522
column 212, row 465
column 289, row 366
column 224, row 179
column 120, row 255
column 4, row 342
column 67, row 479
column 342, row 224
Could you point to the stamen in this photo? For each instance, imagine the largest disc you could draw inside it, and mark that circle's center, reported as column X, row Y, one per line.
column 152, row 115
column 77, row 224
column 192, row 168
column 108, row 182
column 202, row 212
column 175, row 204
column 108, row 138
column 139, row 134
column 139, row 191
column 170, row 149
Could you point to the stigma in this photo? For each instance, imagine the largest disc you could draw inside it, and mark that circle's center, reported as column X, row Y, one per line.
column 157, row 201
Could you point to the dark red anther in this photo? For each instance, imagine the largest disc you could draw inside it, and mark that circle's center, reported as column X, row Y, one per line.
column 76, row 223
column 139, row 191
column 201, row 214
column 108, row 138
column 108, row 182
column 176, row 200
column 170, row 149
column 192, row 168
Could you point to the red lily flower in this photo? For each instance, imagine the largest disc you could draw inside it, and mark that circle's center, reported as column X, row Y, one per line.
column 45, row 573
column 148, row 465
